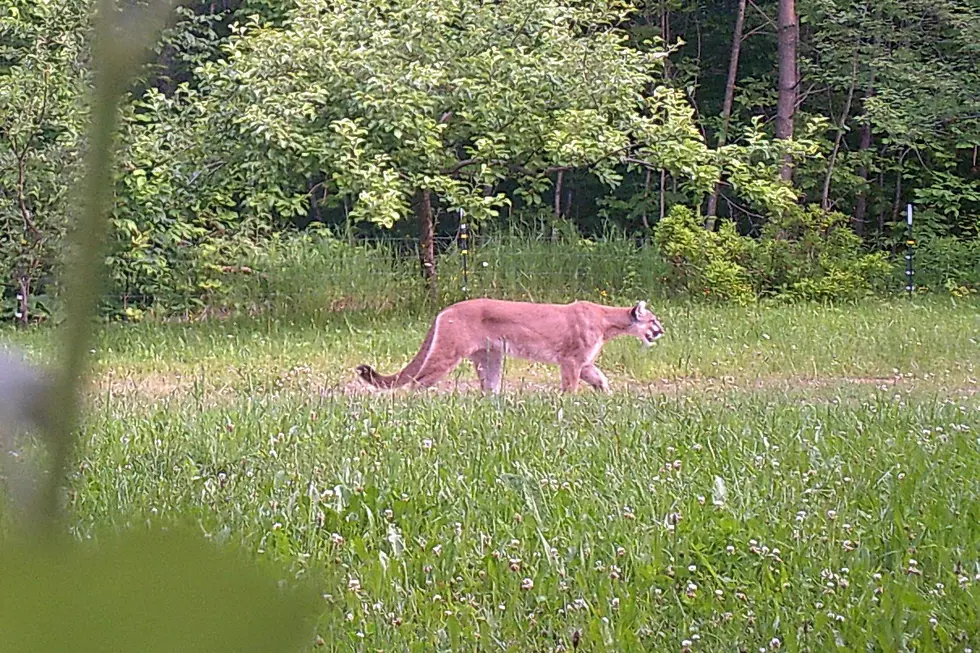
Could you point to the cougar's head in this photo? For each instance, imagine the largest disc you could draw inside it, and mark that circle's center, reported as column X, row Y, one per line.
column 645, row 325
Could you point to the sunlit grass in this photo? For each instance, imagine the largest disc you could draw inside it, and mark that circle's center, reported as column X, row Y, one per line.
column 803, row 474
column 450, row 522
column 933, row 342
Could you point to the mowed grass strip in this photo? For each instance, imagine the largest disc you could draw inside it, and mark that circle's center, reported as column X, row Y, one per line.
column 933, row 342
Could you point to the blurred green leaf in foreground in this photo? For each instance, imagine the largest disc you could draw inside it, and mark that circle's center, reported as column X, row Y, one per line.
column 152, row 591
column 162, row 590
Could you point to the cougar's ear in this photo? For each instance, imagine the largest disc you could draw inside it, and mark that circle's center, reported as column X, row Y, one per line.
column 638, row 310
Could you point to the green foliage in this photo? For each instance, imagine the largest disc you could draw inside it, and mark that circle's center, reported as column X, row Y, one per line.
column 460, row 98
column 709, row 264
column 808, row 253
column 804, row 254
column 42, row 77
column 477, row 496
column 160, row 590
column 253, row 118
column 947, row 264
column 950, row 206
column 172, row 231
column 155, row 591
column 750, row 164
column 245, row 430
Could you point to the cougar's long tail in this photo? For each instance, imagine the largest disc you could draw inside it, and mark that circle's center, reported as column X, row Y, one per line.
column 411, row 372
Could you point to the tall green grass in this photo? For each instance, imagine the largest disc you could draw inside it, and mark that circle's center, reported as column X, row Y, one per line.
column 771, row 477
column 735, row 521
column 315, row 274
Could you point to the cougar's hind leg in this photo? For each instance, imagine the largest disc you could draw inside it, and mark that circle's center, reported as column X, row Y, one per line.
column 594, row 377
column 481, row 364
column 489, row 365
column 434, row 372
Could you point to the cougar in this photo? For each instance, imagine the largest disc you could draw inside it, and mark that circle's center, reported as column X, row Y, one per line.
column 484, row 330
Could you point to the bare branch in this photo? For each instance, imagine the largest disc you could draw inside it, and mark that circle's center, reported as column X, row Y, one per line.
column 769, row 20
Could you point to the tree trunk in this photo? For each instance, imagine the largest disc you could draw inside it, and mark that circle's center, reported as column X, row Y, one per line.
column 663, row 193
column 897, row 203
column 646, row 202
column 726, row 106
column 23, row 300
column 558, row 185
column 789, row 32
column 883, row 209
column 842, row 125
column 427, row 240
column 861, row 202
column 559, row 181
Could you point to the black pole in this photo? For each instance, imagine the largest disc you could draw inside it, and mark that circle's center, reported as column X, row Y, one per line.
column 464, row 250
column 909, row 250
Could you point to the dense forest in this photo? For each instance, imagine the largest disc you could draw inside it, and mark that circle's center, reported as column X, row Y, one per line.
column 737, row 134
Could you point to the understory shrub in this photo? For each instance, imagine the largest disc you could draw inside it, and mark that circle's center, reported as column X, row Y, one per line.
column 805, row 253
column 947, row 263
column 710, row 264
column 812, row 254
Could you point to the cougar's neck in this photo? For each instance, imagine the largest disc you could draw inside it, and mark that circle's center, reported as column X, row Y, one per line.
column 616, row 321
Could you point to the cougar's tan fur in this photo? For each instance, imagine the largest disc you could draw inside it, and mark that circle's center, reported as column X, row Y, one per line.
column 484, row 330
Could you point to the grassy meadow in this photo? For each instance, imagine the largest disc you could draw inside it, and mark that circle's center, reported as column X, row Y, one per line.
column 795, row 477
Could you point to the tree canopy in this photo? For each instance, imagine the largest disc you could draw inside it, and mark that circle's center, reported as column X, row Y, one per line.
column 256, row 116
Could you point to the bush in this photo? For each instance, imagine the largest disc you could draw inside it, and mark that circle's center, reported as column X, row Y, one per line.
column 947, row 263
column 705, row 263
column 804, row 254
column 812, row 254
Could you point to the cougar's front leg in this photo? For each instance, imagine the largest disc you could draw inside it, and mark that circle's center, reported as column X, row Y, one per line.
column 594, row 377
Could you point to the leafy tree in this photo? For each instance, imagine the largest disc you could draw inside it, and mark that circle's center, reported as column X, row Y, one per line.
column 408, row 104
column 42, row 77
column 905, row 73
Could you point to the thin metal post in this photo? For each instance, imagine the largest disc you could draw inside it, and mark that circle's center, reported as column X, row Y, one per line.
column 464, row 236
column 909, row 250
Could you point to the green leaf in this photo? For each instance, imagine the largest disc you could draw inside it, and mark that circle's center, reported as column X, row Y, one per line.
column 154, row 591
